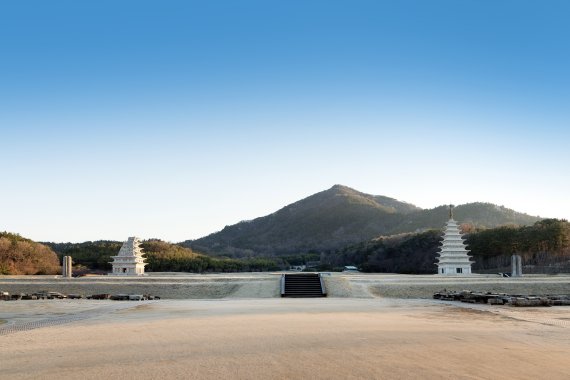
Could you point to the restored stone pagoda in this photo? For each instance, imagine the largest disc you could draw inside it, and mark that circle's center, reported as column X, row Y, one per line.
column 129, row 261
column 453, row 259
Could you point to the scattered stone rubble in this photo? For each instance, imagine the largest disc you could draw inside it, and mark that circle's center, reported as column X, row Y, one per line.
column 45, row 295
column 502, row 298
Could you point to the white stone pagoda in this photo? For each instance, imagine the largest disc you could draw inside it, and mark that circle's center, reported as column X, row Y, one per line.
column 129, row 261
column 453, row 259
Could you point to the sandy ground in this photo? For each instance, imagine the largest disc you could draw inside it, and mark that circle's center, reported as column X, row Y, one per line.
column 266, row 285
column 274, row 338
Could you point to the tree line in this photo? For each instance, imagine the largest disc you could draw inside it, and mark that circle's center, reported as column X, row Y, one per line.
column 544, row 247
column 95, row 256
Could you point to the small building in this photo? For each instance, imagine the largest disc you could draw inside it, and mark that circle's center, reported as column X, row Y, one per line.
column 313, row 264
column 129, row 261
column 453, row 259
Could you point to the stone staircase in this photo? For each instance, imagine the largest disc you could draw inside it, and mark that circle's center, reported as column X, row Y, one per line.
column 302, row 285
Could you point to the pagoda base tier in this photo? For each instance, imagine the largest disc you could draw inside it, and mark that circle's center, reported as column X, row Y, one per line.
column 454, row 270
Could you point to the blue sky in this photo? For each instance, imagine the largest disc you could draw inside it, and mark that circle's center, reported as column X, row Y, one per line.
column 173, row 119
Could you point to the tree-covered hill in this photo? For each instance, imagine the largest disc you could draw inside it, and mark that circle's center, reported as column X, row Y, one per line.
column 92, row 255
column 477, row 214
column 332, row 218
column 338, row 217
column 405, row 253
column 544, row 247
column 95, row 256
column 19, row 255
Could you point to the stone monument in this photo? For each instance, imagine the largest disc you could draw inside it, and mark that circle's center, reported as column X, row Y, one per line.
column 516, row 266
column 453, row 259
column 67, row 267
column 129, row 261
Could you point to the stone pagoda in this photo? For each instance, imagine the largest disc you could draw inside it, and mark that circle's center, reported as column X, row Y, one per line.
column 453, row 259
column 129, row 261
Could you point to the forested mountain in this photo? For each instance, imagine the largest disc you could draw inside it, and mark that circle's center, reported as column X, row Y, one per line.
column 19, row 255
column 544, row 247
column 329, row 219
column 342, row 216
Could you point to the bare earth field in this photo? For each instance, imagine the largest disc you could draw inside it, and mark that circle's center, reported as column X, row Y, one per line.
column 250, row 333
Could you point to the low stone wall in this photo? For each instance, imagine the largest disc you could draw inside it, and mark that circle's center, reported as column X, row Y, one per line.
column 401, row 286
column 427, row 291
column 267, row 285
column 167, row 288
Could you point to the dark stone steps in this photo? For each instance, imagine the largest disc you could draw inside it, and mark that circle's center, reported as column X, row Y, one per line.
column 302, row 285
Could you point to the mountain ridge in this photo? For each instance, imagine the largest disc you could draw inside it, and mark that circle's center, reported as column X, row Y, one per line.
column 341, row 216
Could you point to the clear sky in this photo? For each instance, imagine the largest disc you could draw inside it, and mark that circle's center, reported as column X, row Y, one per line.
column 172, row 119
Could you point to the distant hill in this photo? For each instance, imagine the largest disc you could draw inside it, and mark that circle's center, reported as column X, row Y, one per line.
column 338, row 217
column 19, row 255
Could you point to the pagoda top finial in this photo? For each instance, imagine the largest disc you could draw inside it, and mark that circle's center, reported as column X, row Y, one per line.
column 450, row 211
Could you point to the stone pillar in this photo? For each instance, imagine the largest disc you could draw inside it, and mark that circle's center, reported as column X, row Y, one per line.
column 513, row 265
column 67, row 267
column 516, row 266
column 519, row 266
